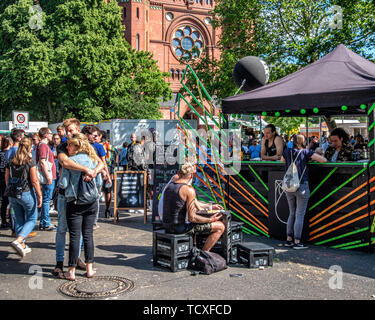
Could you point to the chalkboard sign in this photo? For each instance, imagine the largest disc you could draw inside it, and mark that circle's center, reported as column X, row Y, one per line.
column 162, row 175
column 130, row 191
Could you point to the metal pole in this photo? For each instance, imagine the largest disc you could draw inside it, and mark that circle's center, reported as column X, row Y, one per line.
column 307, row 131
column 240, row 88
column 320, row 131
column 226, row 127
column 370, row 171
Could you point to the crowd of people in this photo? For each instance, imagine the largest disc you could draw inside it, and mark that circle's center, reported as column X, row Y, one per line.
column 66, row 172
column 70, row 170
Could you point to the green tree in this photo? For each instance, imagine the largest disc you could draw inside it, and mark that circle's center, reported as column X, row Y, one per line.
column 77, row 65
column 286, row 125
column 286, row 34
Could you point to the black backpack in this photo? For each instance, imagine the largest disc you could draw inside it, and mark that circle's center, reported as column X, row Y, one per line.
column 15, row 186
column 206, row 262
column 3, row 161
column 87, row 192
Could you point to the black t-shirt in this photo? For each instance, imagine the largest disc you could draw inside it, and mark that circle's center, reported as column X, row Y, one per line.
column 22, row 172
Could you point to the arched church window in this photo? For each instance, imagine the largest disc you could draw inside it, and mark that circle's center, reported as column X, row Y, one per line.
column 187, row 42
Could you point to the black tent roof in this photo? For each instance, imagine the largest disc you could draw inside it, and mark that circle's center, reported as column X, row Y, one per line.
column 342, row 77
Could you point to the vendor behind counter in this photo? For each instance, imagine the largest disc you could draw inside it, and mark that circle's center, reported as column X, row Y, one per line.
column 340, row 148
column 272, row 144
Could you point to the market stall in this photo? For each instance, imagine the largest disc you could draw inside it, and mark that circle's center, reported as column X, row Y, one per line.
column 341, row 210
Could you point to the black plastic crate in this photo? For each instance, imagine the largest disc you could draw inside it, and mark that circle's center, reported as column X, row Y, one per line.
column 224, row 252
column 223, row 245
column 233, row 254
column 174, row 265
column 255, row 254
column 236, row 232
column 223, row 242
column 171, row 245
column 157, row 225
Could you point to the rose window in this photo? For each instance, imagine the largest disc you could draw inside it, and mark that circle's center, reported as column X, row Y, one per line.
column 187, row 42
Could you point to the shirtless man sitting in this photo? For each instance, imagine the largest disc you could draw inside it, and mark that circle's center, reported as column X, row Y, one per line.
column 180, row 206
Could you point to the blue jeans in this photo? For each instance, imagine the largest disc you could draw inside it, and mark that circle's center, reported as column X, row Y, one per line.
column 297, row 202
column 26, row 213
column 47, row 192
column 62, row 229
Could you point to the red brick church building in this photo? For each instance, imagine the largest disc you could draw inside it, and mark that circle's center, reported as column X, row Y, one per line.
column 170, row 29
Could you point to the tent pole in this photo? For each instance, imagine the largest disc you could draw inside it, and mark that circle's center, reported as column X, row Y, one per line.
column 370, row 172
column 320, row 131
column 307, row 131
column 226, row 127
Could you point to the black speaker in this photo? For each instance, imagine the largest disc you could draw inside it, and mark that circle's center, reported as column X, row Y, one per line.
column 253, row 70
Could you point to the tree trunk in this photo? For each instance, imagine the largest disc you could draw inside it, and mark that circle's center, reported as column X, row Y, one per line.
column 60, row 112
column 51, row 116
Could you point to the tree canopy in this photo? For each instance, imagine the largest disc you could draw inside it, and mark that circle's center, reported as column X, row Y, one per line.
column 286, row 34
column 77, row 64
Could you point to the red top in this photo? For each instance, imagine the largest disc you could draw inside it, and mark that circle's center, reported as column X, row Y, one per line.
column 41, row 153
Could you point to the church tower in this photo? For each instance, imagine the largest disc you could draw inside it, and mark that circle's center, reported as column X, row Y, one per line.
column 170, row 29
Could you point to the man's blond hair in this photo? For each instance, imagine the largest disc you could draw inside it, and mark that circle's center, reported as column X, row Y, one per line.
column 187, row 169
column 71, row 121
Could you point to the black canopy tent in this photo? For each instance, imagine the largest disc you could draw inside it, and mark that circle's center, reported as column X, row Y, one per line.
column 340, row 83
column 341, row 78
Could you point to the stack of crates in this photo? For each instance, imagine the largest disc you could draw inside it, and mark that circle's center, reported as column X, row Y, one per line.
column 236, row 239
column 171, row 251
column 226, row 246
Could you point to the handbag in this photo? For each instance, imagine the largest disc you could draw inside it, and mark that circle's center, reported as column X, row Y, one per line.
column 291, row 182
column 15, row 186
column 206, row 262
column 41, row 177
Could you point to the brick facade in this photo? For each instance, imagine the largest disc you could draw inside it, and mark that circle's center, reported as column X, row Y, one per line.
column 169, row 29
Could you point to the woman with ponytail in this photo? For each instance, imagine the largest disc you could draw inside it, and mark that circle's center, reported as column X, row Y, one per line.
column 23, row 167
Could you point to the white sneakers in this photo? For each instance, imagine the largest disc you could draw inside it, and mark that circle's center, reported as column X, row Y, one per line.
column 19, row 249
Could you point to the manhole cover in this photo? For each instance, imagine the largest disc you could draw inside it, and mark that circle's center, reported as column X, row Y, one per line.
column 97, row 287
